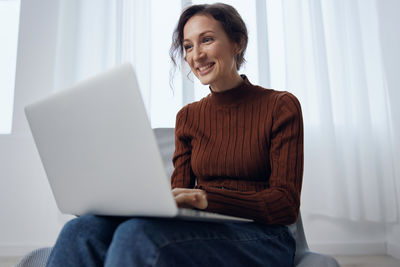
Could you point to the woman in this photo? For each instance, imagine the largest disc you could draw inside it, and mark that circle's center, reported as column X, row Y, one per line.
column 239, row 151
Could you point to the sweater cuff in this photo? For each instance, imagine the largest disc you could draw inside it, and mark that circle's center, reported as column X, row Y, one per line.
column 234, row 203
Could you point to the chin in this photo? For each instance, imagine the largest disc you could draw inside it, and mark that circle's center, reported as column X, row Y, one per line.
column 206, row 80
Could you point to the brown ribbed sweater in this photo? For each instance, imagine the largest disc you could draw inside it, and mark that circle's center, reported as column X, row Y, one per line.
column 244, row 147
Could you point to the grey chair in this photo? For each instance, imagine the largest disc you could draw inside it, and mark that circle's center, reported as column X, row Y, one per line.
column 165, row 138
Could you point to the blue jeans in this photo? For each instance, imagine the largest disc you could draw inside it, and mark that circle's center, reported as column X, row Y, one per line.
column 111, row 241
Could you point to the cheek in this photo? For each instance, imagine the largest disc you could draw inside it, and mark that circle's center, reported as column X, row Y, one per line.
column 229, row 59
column 222, row 55
column 189, row 61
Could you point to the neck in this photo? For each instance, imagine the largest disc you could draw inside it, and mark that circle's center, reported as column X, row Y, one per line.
column 227, row 84
column 236, row 95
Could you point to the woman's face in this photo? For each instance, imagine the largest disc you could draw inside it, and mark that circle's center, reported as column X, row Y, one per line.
column 209, row 52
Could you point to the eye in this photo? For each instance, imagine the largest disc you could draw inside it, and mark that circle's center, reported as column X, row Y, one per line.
column 187, row 46
column 207, row 39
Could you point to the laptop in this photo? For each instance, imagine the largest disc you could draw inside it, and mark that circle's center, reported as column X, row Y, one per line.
column 99, row 151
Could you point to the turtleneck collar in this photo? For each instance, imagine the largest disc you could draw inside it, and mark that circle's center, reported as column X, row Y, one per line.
column 234, row 95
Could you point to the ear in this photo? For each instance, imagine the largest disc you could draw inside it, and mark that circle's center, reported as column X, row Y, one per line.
column 237, row 49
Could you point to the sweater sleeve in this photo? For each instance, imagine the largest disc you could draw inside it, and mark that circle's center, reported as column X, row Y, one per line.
column 182, row 175
column 280, row 202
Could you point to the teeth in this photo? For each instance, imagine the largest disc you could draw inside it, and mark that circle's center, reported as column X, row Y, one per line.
column 205, row 67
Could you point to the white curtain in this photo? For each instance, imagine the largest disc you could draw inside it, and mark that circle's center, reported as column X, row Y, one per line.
column 95, row 35
column 328, row 54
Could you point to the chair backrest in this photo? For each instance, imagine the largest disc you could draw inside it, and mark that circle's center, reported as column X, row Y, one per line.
column 166, row 142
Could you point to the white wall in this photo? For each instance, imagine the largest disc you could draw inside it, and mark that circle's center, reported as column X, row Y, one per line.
column 29, row 217
column 390, row 40
column 344, row 237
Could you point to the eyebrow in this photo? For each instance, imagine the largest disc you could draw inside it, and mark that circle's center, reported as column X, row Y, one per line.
column 201, row 34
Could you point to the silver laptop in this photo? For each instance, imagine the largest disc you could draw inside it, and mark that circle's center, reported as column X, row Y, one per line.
column 100, row 153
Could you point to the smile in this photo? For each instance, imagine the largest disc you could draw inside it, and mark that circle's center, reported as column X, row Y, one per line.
column 205, row 69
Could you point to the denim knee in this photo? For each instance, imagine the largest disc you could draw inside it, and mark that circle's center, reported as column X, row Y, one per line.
column 136, row 231
column 89, row 227
column 75, row 227
column 78, row 227
column 83, row 242
column 132, row 245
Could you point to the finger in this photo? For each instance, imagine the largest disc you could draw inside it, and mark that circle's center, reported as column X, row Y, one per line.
column 185, row 200
column 185, row 190
column 193, row 199
column 202, row 202
column 177, row 191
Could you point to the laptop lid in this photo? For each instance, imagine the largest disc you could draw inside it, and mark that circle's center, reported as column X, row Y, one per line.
column 98, row 149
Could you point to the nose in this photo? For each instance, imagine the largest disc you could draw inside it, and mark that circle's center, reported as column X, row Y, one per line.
column 198, row 53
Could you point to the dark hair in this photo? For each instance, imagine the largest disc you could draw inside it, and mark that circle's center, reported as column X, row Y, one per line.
column 230, row 20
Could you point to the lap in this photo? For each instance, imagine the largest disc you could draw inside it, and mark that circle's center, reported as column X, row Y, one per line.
column 228, row 244
column 88, row 223
column 189, row 243
column 165, row 230
column 180, row 230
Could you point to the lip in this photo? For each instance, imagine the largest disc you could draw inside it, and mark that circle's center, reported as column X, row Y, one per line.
column 206, row 71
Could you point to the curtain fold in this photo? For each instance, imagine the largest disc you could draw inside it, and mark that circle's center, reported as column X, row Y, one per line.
column 86, row 40
column 95, row 35
column 333, row 64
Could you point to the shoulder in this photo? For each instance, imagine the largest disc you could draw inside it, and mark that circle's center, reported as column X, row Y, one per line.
column 181, row 117
column 187, row 114
column 273, row 94
column 279, row 103
column 188, row 108
column 182, row 112
column 285, row 99
column 286, row 109
column 192, row 108
column 275, row 98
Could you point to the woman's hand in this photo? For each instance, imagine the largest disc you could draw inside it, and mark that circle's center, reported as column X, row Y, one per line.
column 190, row 198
